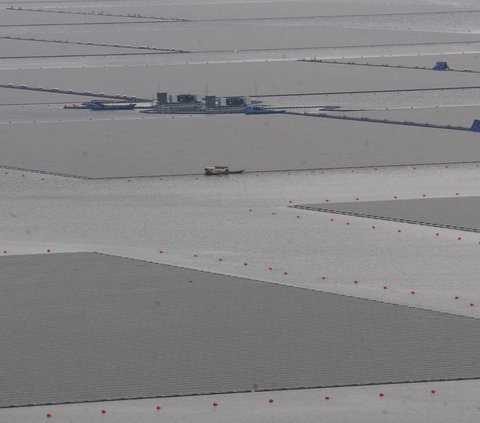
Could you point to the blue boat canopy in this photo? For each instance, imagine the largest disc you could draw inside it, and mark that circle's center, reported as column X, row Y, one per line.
column 441, row 66
column 476, row 125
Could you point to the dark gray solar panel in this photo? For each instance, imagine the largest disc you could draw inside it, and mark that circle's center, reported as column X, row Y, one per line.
column 460, row 213
column 101, row 150
column 82, row 327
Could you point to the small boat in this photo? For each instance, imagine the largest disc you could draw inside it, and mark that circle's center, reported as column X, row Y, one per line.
column 260, row 110
column 221, row 170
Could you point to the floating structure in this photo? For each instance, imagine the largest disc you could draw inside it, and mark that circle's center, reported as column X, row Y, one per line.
column 193, row 104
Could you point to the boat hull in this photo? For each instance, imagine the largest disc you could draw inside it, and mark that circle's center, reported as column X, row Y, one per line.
column 112, row 106
column 260, row 110
column 229, row 172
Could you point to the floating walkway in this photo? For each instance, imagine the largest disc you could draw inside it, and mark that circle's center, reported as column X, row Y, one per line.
column 474, row 128
column 384, row 65
column 72, row 92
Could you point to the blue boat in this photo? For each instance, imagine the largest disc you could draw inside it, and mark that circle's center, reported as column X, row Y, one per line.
column 100, row 105
column 260, row 110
